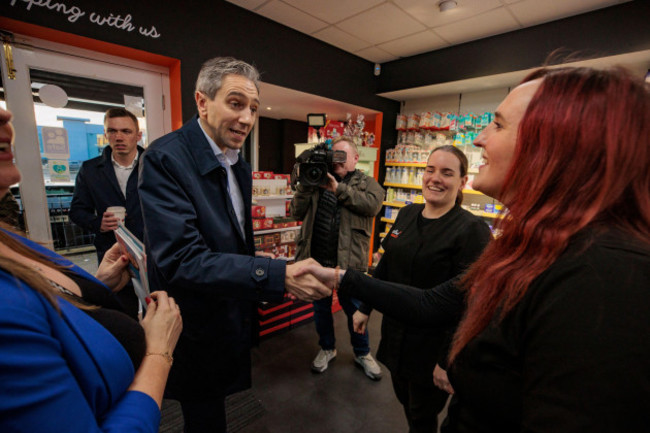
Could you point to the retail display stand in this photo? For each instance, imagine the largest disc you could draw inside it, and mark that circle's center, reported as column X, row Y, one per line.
column 275, row 232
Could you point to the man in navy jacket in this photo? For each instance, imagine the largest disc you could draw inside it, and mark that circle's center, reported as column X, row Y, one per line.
column 111, row 179
column 195, row 191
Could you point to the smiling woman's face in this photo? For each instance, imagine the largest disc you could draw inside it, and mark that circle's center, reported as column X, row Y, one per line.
column 442, row 181
column 499, row 139
column 9, row 173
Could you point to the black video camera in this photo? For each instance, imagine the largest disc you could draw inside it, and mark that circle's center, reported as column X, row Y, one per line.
column 312, row 165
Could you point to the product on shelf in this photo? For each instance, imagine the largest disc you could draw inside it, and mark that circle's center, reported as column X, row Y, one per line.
column 262, row 175
column 401, row 122
column 413, row 121
column 420, row 129
column 262, row 223
column 258, row 211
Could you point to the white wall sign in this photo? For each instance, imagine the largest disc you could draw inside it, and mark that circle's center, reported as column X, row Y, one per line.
column 59, row 170
column 119, row 21
column 55, row 142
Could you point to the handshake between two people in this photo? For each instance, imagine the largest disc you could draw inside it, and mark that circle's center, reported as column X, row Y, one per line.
column 309, row 281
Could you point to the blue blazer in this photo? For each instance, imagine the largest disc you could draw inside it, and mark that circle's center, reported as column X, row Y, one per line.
column 63, row 372
column 96, row 188
column 196, row 251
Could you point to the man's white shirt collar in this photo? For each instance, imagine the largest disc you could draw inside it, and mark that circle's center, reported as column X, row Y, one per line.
column 230, row 156
column 130, row 166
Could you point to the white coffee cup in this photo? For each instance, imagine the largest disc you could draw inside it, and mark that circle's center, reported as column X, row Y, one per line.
column 118, row 211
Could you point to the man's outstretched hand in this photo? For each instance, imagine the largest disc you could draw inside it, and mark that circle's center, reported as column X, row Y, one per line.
column 303, row 285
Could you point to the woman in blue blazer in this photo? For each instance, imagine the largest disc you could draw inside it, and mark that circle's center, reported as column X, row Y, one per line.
column 67, row 364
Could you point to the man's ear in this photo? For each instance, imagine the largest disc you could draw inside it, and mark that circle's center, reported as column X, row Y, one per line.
column 201, row 103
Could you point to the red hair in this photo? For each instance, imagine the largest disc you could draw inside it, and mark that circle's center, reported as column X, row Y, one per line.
column 582, row 159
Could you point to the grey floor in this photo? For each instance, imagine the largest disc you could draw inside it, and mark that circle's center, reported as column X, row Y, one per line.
column 295, row 400
column 86, row 261
column 341, row 399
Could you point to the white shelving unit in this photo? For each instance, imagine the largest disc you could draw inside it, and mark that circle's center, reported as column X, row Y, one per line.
column 271, row 197
column 267, row 231
column 275, row 204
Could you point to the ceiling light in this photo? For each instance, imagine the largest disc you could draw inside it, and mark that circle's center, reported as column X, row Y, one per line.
column 446, row 5
column 269, row 108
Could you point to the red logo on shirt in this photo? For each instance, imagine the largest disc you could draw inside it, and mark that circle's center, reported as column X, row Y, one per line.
column 395, row 233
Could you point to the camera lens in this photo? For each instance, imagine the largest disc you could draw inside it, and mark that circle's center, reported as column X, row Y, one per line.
column 314, row 174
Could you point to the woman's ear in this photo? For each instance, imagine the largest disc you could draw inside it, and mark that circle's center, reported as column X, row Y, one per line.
column 463, row 182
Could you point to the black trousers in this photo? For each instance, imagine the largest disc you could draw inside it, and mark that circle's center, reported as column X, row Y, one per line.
column 422, row 402
column 204, row 416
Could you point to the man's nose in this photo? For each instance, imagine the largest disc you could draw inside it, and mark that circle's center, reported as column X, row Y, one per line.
column 246, row 117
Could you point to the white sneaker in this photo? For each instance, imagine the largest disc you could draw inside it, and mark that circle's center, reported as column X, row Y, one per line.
column 321, row 361
column 369, row 365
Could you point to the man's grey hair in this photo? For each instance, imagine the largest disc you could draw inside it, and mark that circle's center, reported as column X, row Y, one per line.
column 214, row 70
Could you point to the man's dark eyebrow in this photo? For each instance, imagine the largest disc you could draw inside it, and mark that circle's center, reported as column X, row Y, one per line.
column 499, row 115
column 241, row 95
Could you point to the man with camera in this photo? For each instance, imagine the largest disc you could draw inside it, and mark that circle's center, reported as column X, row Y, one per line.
column 337, row 220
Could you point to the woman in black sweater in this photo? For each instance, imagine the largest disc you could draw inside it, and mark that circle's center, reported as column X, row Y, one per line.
column 428, row 244
column 556, row 337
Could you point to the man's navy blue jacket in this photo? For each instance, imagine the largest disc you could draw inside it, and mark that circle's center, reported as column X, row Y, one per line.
column 96, row 189
column 196, row 251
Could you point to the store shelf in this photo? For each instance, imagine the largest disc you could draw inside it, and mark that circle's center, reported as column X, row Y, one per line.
column 267, row 231
column 485, row 214
column 272, row 197
column 402, row 185
column 406, row 164
column 387, row 220
column 394, row 203
column 407, row 186
column 288, row 259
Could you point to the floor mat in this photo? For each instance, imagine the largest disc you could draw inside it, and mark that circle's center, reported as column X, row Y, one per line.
column 241, row 410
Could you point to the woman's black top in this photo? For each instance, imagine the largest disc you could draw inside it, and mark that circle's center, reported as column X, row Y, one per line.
column 424, row 252
column 126, row 331
column 572, row 356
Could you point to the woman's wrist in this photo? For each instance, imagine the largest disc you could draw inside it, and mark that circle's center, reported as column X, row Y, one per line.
column 337, row 278
column 162, row 355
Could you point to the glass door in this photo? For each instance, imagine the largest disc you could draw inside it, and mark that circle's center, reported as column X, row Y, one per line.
column 58, row 101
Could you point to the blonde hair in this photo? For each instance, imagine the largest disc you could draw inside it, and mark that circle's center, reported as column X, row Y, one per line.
column 348, row 140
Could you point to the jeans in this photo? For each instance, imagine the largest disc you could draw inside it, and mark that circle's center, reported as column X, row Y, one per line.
column 325, row 325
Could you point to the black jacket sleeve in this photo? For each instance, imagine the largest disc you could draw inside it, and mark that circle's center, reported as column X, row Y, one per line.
column 410, row 305
column 82, row 207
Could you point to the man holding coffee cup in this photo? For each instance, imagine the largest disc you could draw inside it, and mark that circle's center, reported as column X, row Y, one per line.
column 106, row 189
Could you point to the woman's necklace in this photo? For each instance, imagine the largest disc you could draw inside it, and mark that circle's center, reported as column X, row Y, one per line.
column 53, row 283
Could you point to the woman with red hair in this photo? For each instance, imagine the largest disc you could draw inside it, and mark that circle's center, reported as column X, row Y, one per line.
column 556, row 335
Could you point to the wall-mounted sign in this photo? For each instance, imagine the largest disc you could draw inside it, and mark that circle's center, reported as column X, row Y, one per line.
column 59, row 170
column 55, row 142
column 74, row 13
